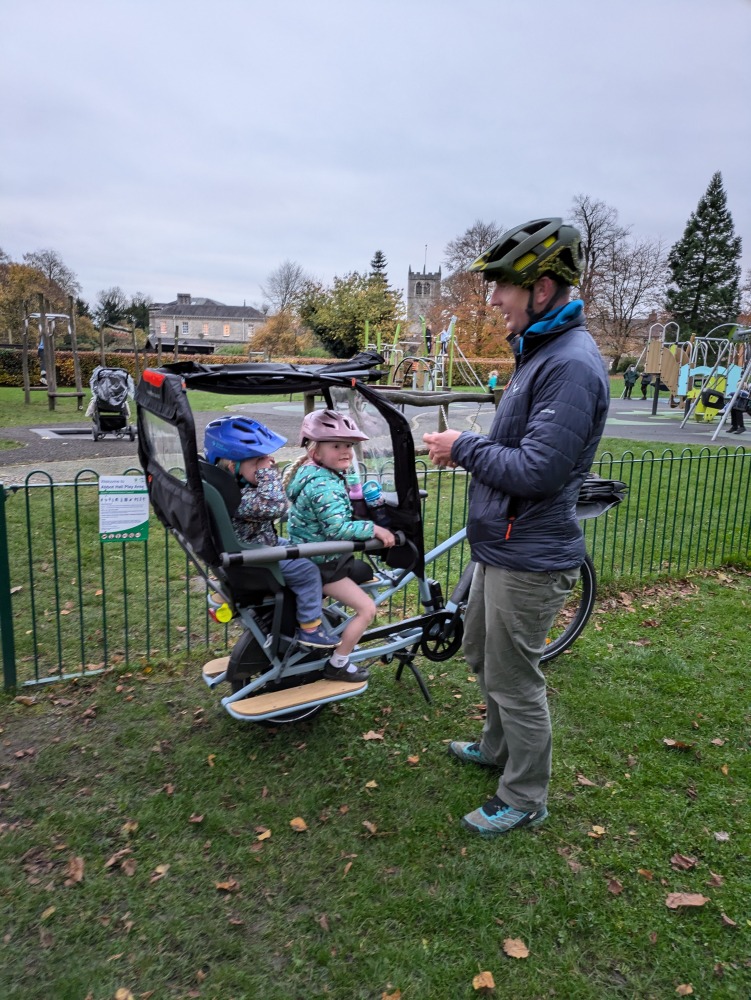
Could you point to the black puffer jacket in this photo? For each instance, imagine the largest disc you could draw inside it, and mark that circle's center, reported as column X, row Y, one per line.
column 526, row 473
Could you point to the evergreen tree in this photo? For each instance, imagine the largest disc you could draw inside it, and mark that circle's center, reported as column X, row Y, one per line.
column 705, row 266
column 378, row 266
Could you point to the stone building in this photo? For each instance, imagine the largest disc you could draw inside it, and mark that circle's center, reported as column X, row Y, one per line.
column 423, row 291
column 202, row 325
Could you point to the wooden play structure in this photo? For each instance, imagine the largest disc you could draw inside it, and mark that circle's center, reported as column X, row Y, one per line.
column 705, row 373
column 47, row 321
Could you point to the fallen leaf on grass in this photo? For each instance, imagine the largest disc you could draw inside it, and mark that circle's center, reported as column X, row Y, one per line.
column 684, row 990
column 645, row 873
column 678, row 744
column 372, row 735
column 370, row 827
column 323, row 922
column 48, row 913
column 675, row 900
column 413, row 759
column 597, row 831
column 717, row 742
column 25, row 699
column 715, row 880
column 725, row 769
column 298, row 824
column 75, row 871
column 727, row 921
column 615, row 886
column 129, row 828
column 231, row 885
column 159, row 872
column 128, row 867
column 581, row 780
column 195, row 818
column 684, row 862
column 515, row 948
column 371, row 784
column 396, row 995
column 211, row 758
column 263, row 833
column 574, row 865
column 721, row 836
column 123, row 994
column 483, row 981
column 117, row 857
column 346, row 869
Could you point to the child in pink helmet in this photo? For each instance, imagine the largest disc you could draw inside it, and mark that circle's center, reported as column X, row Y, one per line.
column 321, row 511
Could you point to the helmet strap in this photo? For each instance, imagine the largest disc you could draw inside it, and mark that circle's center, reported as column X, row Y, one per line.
column 535, row 317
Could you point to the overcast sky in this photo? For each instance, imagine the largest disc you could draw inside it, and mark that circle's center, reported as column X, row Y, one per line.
column 188, row 146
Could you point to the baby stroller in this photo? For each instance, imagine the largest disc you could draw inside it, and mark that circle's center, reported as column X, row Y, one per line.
column 109, row 409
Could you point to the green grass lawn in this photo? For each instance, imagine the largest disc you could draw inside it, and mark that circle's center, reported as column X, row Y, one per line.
column 15, row 413
column 147, row 846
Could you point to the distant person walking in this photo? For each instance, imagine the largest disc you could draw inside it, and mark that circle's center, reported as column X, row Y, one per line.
column 629, row 377
column 646, row 381
column 737, row 410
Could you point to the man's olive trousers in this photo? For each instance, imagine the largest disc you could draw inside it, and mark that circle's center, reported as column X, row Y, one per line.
column 508, row 617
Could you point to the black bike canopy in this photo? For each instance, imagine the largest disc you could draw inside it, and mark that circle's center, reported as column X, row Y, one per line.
column 262, row 378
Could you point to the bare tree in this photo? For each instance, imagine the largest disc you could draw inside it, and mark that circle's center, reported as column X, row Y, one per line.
column 631, row 283
column 52, row 266
column 601, row 234
column 460, row 252
column 466, row 295
column 284, row 285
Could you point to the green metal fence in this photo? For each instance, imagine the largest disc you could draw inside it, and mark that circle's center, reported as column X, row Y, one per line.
column 70, row 605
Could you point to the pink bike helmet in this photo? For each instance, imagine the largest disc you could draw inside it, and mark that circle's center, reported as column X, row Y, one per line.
column 329, row 425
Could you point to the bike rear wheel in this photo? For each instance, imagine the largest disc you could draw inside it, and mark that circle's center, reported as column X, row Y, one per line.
column 574, row 615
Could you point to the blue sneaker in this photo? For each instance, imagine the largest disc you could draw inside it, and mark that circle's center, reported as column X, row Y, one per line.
column 317, row 638
column 495, row 818
column 469, row 753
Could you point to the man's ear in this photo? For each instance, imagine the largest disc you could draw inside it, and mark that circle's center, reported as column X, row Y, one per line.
column 544, row 289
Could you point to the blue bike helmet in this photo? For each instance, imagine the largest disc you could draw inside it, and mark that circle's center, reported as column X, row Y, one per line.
column 238, row 438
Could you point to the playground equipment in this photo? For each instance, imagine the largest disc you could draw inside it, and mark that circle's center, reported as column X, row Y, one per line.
column 432, row 371
column 46, row 323
column 715, row 371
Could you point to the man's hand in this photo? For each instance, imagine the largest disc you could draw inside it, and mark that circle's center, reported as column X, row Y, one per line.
column 439, row 447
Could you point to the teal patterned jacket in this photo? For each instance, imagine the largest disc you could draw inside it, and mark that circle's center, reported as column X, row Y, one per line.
column 321, row 510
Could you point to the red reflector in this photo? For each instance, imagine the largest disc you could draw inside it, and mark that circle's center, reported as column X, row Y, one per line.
column 152, row 377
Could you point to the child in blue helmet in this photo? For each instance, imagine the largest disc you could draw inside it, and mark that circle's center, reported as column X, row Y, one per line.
column 244, row 448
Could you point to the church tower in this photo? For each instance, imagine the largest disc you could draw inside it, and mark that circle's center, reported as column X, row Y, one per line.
column 423, row 291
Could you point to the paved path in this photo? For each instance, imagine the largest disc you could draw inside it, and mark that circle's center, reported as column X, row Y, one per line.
column 63, row 456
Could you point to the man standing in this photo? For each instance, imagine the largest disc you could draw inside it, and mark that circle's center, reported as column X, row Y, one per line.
column 629, row 377
column 522, row 526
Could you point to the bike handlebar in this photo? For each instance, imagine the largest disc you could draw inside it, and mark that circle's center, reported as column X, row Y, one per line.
column 276, row 553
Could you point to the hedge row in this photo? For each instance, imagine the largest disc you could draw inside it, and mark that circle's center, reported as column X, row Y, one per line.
column 11, row 373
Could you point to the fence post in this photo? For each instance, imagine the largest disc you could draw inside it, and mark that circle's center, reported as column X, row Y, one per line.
column 7, row 638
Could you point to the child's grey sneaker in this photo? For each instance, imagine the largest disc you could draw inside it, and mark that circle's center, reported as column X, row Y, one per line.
column 469, row 753
column 317, row 638
column 349, row 672
column 496, row 818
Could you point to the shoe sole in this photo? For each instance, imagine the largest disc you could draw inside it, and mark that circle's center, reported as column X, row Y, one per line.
column 319, row 645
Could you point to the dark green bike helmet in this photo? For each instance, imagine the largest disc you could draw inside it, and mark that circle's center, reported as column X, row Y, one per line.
column 526, row 253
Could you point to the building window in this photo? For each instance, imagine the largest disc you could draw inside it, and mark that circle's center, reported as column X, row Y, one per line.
column 426, row 288
column 205, row 329
column 418, row 288
column 163, row 326
column 185, row 328
column 225, row 331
